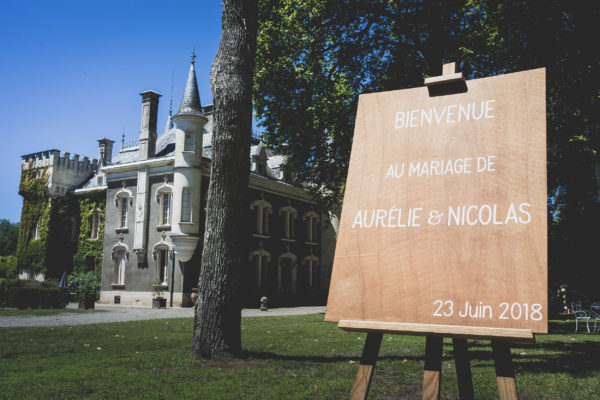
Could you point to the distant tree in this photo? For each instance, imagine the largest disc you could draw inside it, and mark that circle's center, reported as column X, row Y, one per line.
column 217, row 318
column 9, row 237
column 314, row 57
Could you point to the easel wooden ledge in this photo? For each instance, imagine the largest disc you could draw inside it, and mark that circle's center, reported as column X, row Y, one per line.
column 500, row 337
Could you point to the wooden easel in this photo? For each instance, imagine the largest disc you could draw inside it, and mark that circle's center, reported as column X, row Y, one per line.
column 432, row 376
column 392, row 130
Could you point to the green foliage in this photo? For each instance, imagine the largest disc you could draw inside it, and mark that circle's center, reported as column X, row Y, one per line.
column 54, row 252
column 314, row 57
column 31, row 253
column 31, row 294
column 84, row 285
column 9, row 237
column 157, row 289
column 89, row 251
column 8, row 267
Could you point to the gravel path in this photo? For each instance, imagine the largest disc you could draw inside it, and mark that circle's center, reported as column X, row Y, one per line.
column 123, row 313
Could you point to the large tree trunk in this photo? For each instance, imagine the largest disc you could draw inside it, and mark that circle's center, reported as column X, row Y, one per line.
column 218, row 310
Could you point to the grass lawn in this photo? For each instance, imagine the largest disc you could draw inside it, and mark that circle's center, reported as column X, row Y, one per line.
column 296, row 357
column 44, row 311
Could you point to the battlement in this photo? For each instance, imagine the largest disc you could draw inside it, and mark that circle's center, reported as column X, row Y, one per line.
column 64, row 172
column 53, row 158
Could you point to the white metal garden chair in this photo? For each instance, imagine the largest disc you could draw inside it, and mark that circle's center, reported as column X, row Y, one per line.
column 595, row 315
column 581, row 315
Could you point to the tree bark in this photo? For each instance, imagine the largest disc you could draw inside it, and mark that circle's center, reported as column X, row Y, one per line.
column 217, row 317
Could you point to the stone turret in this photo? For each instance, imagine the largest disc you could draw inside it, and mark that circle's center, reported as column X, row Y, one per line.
column 187, row 173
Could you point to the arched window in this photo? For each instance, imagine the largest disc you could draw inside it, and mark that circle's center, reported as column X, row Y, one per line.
column 123, row 199
column 164, row 196
column 161, row 255
column 95, row 225
column 261, row 261
column 312, row 226
column 262, row 209
column 286, row 273
column 289, row 215
column 120, row 254
column 313, row 271
column 35, row 231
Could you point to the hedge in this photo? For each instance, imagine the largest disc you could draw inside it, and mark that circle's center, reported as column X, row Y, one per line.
column 24, row 294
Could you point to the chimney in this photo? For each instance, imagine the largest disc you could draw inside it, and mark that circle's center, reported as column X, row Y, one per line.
column 105, row 147
column 149, row 119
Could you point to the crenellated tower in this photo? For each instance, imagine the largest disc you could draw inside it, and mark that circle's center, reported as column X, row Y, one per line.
column 63, row 173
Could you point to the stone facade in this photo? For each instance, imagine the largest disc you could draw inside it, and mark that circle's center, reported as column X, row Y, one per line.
column 154, row 214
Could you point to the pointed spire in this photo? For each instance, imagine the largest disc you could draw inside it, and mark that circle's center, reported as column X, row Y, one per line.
column 190, row 104
column 170, row 123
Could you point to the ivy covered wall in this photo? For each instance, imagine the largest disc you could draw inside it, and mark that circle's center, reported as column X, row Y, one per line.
column 88, row 256
column 31, row 252
column 62, row 241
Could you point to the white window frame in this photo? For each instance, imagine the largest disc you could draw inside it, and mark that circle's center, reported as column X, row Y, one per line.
column 189, row 142
column 186, row 211
column 123, row 200
column 120, row 266
column 312, row 226
column 263, row 210
column 293, row 263
column 94, row 232
column 264, row 258
column 162, row 261
column 311, row 262
column 289, row 215
column 166, row 200
column 35, row 232
column 164, row 194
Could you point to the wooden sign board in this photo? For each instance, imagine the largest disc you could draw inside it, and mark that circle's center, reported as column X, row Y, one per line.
column 444, row 215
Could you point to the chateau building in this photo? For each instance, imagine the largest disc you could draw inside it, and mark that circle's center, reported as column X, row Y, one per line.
column 137, row 217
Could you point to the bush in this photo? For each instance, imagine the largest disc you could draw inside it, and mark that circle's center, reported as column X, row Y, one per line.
column 8, row 267
column 31, row 294
column 84, row 285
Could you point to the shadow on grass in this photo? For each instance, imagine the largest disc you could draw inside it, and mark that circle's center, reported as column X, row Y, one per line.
column 575, row 353
column 264, row 355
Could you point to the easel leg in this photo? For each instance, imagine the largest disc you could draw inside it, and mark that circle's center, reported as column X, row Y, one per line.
column 505, row 372
column 362, row 382
column 463, row 369
column 432, row 377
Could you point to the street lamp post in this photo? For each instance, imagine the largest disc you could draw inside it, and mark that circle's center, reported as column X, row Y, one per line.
column 172, row 275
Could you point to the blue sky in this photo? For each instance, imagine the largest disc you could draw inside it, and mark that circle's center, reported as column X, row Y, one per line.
column 72, row 71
